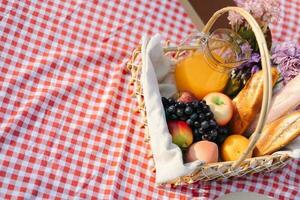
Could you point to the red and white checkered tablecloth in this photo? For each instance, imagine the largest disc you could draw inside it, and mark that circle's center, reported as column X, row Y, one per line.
column 67, row 130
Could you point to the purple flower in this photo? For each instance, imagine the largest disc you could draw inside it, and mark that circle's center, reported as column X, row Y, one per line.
column 245, row 50
column 287, row 56
column 255, row 69
column 254, row 61
column 264, row 11
column 252, row 65
column 235, row 19
column 255, row 57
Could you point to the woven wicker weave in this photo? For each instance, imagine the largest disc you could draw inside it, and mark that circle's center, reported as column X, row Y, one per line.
column 220, row 170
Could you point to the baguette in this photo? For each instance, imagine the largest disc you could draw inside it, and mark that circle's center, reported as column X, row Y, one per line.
column 248, row 102
column 283, row 102
column 278, row 134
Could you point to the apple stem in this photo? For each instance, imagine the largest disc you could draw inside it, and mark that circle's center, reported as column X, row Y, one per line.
column 218, row 101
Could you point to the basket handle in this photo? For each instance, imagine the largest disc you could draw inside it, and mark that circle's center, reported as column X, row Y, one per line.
column 266, row 68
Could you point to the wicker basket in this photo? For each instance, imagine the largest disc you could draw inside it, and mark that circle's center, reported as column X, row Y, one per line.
column 242, row 166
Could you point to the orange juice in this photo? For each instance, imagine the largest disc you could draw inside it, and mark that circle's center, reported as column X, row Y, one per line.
column 199, row 75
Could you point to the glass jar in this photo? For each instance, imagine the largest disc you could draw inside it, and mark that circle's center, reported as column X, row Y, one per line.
column 207, row 69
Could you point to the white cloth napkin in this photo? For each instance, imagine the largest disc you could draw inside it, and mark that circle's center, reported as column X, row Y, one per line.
column 167, row 156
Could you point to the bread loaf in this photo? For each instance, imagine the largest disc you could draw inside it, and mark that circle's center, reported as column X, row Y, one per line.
column 248, row 102
column 283, row 102
column 278, row 134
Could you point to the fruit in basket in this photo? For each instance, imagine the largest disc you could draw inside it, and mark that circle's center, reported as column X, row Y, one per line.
column 203, row 150
column 223, row 132
column 202, row 122
column 198, row 116
column 182, row 134
column 186, row 97
column 221, row 106
column 233, row 147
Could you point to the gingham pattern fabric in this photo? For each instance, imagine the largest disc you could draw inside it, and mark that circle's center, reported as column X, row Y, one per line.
column 287, row 26
column 67, row 130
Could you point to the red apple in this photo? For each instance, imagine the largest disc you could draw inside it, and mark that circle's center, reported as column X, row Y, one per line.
column 221, row 106
column 186, row 97
column 182, row 134
column 203, row 150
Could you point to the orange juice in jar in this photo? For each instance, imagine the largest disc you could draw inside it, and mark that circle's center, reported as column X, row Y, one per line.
column 207, row 69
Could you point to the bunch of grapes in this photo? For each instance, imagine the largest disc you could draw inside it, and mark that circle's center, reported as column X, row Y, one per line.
column 198, row 116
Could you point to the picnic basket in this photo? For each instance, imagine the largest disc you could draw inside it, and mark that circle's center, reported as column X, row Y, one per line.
column 221, row 170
